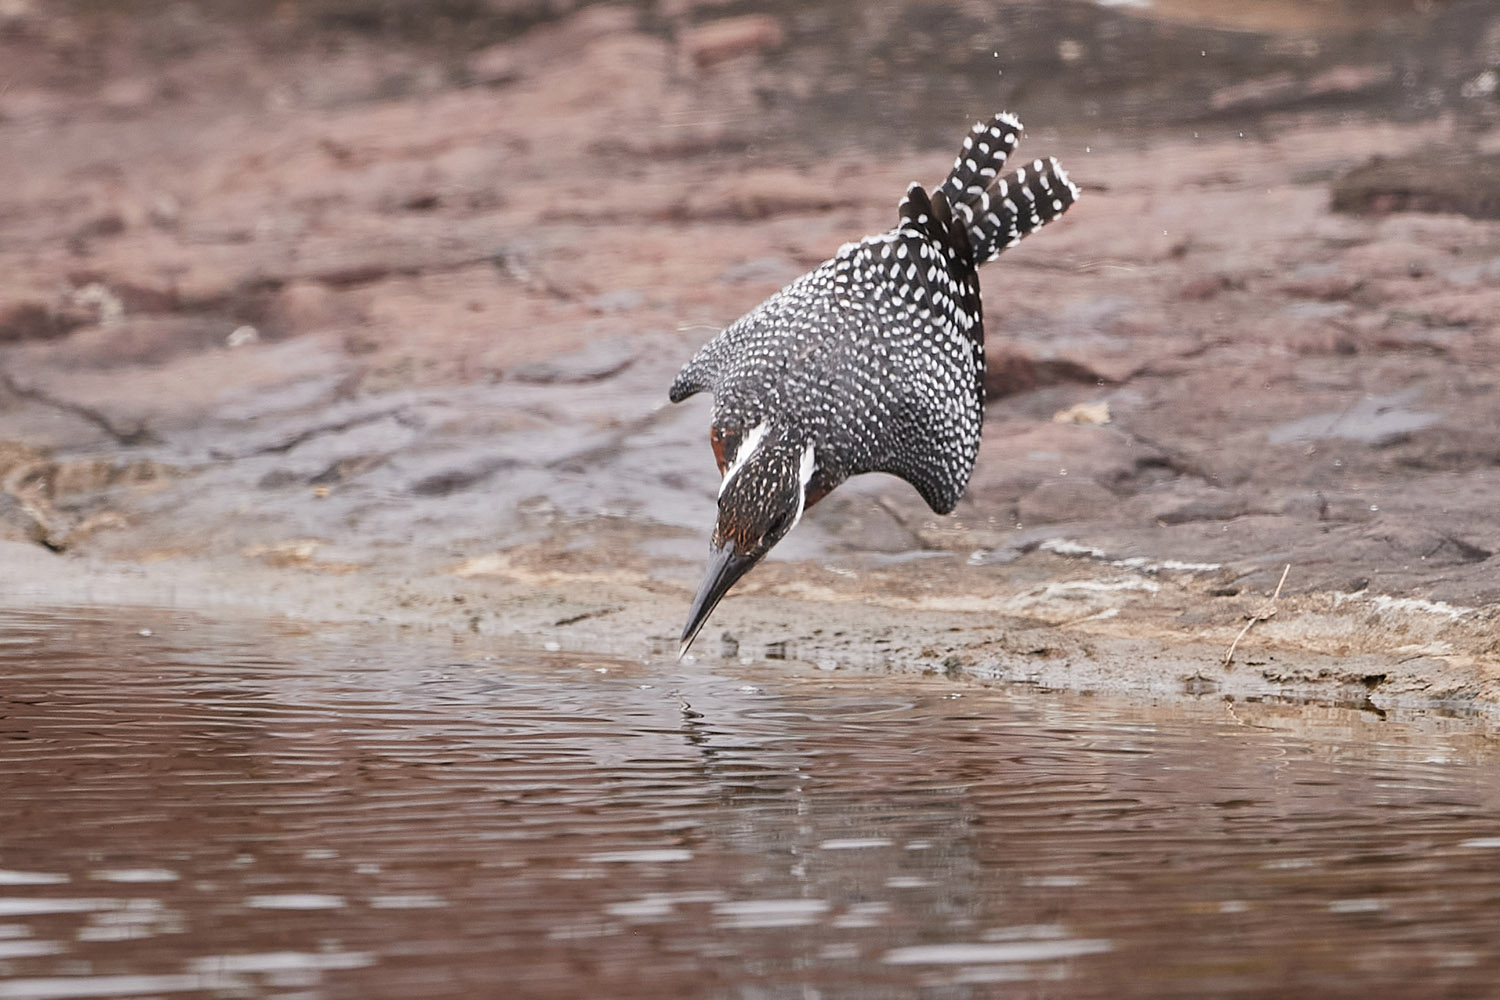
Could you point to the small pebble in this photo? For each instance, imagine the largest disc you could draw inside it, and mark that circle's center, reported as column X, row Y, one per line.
column 242, row 335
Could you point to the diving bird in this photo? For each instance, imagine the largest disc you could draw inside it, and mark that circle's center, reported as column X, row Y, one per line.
column 872, row 362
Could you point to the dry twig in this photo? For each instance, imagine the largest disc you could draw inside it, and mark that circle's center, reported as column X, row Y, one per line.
column 1258, row 616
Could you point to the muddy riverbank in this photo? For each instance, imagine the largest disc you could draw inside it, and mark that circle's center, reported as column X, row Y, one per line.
column 340, row 314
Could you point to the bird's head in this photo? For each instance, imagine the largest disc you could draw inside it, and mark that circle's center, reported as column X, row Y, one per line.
column 761, row 498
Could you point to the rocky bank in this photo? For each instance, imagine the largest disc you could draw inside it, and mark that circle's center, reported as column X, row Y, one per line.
column 345, row 310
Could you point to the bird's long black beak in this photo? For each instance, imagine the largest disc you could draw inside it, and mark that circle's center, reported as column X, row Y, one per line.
column 725, row 566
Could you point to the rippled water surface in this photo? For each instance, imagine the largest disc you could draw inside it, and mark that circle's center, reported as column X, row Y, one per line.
column 232, row 810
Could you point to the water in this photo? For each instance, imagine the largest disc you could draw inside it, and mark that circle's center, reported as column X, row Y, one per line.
column 236, row 810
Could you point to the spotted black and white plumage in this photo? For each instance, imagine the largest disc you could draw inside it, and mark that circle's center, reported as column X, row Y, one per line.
column 872, row 362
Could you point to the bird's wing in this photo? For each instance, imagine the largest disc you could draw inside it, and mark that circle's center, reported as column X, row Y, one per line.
column 933, row 355
column 698, row 374
column 931, row 432
column 749, row 356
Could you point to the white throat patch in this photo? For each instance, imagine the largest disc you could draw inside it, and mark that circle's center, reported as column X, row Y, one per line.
column 753, row 437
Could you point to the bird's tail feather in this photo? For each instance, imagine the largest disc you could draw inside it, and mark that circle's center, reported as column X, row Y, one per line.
column 986, row 148
column 1001, row 212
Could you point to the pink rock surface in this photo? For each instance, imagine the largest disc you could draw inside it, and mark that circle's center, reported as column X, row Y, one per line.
column 420, row 302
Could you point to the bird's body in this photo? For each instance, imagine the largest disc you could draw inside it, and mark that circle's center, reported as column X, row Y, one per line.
column 872, row 362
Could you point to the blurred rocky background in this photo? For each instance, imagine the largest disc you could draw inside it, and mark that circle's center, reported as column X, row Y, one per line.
column 369, row 306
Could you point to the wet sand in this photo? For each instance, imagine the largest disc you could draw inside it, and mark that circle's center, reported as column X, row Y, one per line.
column 347, row 321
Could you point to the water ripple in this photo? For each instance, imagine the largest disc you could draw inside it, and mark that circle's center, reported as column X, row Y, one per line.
column 333, row 815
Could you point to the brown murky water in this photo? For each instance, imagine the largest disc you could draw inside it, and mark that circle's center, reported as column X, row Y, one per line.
column 228, row 810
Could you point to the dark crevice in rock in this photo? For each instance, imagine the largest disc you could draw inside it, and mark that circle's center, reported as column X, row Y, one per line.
column 441, row 484
column 302, row 437
column 140, row 434
column 1011, row 374
column 1452, row 181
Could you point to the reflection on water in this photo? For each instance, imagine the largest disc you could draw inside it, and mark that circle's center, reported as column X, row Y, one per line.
column 224, row 811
